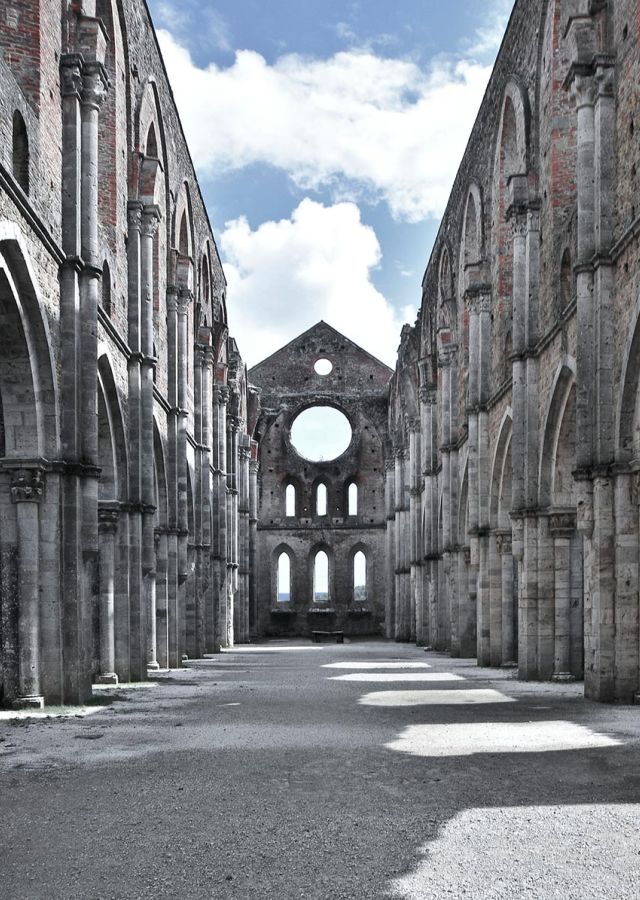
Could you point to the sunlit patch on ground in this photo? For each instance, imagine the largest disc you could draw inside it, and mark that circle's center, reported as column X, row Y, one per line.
column 49, row 712
column 397, row 676
column 277, row 649
column 470, row 738
column 433, row 698
column 364, row 666
column 500, row 849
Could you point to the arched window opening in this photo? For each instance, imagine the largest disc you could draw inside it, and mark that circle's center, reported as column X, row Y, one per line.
column 205, row 281
column 106, row 289
column 321, row 500
column 283, row 588
column 321, row 577
column 183, row 242
column 152, row 142
column 566, row 280
column 290, row 501
column 353, row 499
column 360, row 577
column 20, row 152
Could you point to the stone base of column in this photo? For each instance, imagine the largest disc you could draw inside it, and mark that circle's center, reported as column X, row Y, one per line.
column 107, row 678
column 636, row 698
column 563, row 677
column 33, row 702
column 153, row 666
column 509, row 665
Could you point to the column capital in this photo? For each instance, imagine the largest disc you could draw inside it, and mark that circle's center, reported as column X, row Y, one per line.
column 150, row 219
column 95, row 83
column 504, row 542
column 27, row 485
column 71, row 74
column 108, row 517
column 134, row 214
column 222, row 393
column 583, row 89
column 479, row 301
column 185, row 299
column 562, row 524
column 447, row 355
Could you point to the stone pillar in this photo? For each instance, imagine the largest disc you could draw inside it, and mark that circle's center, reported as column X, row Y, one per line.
column 108, row 528
column 415, row 517
column 509, row 624
column 149, row 225
column 220, row 507
column 495, row 599
column 562, row 528
column 172, row 481
column 253, row 542
column 233, row 427
column 244, row 453
column 402, row 550
column 162, row 598
column 391, row 601
column 185, row 298
column 209, row 594
column 27, row 487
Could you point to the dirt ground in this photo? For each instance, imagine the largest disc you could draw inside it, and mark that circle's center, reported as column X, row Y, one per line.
column 290, row 770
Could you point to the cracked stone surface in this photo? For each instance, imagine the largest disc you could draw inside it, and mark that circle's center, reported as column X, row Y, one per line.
column 260, row 773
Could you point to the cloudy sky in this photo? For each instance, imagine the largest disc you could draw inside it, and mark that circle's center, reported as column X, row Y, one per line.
column 326, row 136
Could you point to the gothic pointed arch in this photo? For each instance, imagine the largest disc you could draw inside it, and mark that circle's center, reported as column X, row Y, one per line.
column 557, row 458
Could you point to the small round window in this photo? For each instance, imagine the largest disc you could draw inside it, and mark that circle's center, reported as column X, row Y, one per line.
column 323, row 367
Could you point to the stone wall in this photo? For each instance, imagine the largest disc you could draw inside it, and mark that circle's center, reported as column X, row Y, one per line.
column 522, row 370
column 125, row 408
column 356, row 385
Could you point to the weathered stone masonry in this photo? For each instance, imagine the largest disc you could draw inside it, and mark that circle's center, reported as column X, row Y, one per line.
column 149, row 493
column 523, row 370
column 124, row 410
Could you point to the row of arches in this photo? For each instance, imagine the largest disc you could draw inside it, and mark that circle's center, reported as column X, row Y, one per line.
column 323, row 590
column 320, row 500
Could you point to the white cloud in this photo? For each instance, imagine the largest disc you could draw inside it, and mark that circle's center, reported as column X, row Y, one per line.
column 356, row 123
column 285, row 276
column 488, row 38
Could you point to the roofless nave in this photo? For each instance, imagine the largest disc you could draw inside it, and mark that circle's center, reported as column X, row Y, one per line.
column 152, row 504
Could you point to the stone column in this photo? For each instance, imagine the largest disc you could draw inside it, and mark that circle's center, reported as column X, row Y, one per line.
column 209, row 594
column 220, row 507
column 253, row 542
column 149, row 225
column 108, row 528
column 562, row 527
column 173, row 616
column 27, row 487
column 509, row 625
column 233, row 427
column 391, row 600
column 162, row 633
column 402, row 546
column 185, row 299
column 243, row 535
column 415, row 522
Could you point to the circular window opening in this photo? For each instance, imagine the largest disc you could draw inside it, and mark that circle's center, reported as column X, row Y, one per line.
column 321, row 433
column 323, row 367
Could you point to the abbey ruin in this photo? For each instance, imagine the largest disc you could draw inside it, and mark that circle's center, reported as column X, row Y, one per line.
column 152, row 505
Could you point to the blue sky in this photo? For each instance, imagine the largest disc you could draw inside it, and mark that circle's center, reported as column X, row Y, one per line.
column 326, row 137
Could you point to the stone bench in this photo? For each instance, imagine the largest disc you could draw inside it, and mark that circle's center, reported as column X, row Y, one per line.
column 318, row 636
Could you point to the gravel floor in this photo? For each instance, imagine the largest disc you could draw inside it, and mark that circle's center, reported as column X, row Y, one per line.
column 290, row 770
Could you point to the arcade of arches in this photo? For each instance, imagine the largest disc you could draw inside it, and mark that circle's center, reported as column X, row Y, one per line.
column 155, row 501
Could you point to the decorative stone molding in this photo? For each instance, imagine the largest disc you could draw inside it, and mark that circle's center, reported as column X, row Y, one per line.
column 222, row 394
column 27, row 485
